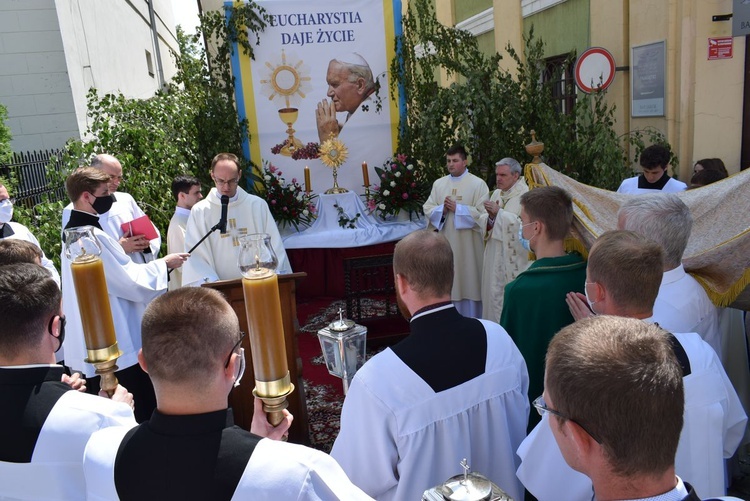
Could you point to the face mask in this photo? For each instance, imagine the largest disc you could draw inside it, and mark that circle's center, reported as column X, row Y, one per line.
column 589, row 301
column 241, row 365
column 6, row 211
column 102, row 204
column 525, row 243
column 61, row 337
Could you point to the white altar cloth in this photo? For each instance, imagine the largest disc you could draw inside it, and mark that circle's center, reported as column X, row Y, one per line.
column 325, row 232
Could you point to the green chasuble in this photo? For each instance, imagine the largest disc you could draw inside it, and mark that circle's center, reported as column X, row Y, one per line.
column 535, row 309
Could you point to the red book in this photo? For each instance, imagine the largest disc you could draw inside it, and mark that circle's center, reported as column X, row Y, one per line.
column 140, row 226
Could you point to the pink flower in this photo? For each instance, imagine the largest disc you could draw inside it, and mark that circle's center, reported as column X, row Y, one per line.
column 376, row 187
column 271, row 168
column 382, row 176
column 413, row 185
column 273, row 202
column 285, row 209
column 294, row 180
column 371, row 205
column 394, row 166
column 279, row 173
column 401, row 158
column 405, row 196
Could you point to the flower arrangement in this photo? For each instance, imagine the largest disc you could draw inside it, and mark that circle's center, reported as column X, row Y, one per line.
column 402, row 187
column 290, row 205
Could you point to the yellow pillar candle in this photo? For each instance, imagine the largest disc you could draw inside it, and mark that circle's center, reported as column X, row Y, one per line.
column 265, row 326
column 93, row 302
column 308, row 185
column 365, row 174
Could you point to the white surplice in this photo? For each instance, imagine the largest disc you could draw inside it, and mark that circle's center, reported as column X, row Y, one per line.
column 630, row 186
column 462, row 229
column 276, row 471
column 176, row 242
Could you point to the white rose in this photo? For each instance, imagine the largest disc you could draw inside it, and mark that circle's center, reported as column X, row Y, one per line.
column 305, row 212
column 393, row 184
column 386, row 193
column 381, row 206
column 397, row 174
column 410, row 167
column 267, row 177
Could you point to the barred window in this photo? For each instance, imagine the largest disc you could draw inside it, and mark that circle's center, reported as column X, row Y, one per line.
column 558, row 72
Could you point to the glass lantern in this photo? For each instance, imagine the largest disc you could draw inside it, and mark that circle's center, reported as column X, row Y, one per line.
column 343, row 344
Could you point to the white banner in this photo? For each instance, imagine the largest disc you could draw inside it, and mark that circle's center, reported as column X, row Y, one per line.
column 322, row 67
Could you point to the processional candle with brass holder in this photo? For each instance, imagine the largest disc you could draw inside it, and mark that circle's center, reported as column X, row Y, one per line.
column 87, row 268
column 258, row 262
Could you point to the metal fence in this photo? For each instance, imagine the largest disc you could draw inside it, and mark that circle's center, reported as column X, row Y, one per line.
column 30, row 171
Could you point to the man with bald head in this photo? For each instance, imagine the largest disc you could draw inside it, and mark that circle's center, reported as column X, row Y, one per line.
column 124, row 209
column 350, row 83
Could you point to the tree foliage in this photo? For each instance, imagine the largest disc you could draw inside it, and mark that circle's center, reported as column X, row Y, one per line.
column 5, row 136
column 176, row 131
column 491, row 111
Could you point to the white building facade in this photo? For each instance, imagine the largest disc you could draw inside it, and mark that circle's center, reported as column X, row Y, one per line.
column 53, row 51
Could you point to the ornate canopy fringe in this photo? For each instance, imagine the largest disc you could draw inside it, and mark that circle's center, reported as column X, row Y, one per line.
column 718, row 252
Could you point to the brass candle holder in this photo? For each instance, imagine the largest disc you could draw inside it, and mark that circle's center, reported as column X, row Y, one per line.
column 87, row 269
column 257, row 262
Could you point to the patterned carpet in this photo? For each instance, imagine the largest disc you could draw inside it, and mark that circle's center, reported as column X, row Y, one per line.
column 324, row 392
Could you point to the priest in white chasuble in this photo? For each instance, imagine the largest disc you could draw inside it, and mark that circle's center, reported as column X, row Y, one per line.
column 216, row 257
column 504, row 256
column 454, row 208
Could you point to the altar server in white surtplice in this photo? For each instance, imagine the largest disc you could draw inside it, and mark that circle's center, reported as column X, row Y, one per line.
column 504, row 256
column 654, row 179
column 216, row 257
column 44, row 424
column 124, row 210
column 131, row 286
column 455, row 388
column 191, row 348
column 682, row 304
column 623, row 276
column 187, row 192
column 454, row 208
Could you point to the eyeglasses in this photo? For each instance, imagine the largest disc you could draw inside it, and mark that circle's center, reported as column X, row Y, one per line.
column 541, row 408
column 230, row 183
column 236, row 345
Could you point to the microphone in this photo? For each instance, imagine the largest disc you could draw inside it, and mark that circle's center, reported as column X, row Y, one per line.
column 223, row 220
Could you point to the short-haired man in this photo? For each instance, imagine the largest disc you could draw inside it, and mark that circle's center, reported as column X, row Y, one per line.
column 623, row 277
column 124, row 209
column 454, row 208
column 216, row 258
column 10, row 230
column 350, row 83
column 44, row 424
column 534, row 308
column 614, row 399
column 187, row 192
column 19, row 251
column 455, row 388
column 682, row 304
column 131, row 286
column 191, row 350
column 504, row 257
column 654, row 179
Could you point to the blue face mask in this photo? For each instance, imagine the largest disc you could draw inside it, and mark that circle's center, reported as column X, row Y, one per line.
column 525, row 243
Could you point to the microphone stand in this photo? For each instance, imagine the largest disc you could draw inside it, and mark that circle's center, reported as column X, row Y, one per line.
column 213, row 228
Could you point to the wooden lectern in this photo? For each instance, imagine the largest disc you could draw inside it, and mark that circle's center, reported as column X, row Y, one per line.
column 241, row 397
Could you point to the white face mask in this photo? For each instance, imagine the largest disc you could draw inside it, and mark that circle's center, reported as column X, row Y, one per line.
column 6, row 211
column 589, row 301
column 241, row 370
